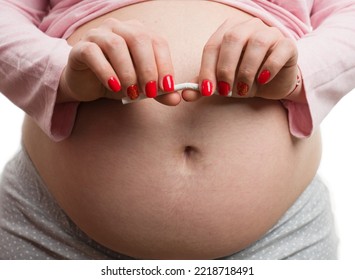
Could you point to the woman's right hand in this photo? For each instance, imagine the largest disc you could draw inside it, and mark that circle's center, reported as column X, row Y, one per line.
column 118, row 59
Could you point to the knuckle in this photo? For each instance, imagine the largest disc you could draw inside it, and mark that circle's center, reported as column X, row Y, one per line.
column 246, row 74
column 127, row 77
column 110, row 22
column 289, row 44
column 160, row 42
column 141, row 38
column 165, row 67
column 260, row 41
column 91, row 34
column 87, row 50
column 211, row 48
column 274, row 63
column 232, row 37
column 226, row 72
column 115, row 42
column 275, row 30
column 149, row 71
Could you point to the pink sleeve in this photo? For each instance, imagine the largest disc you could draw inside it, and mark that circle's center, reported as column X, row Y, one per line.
column 327, row 63
column 31, row 64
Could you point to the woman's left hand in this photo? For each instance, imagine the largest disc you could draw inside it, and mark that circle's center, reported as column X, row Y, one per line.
column 249, row 59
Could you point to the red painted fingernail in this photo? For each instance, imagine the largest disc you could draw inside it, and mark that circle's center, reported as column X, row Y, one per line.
column 132, row 92
column 168, row 83
column 264, row 77
column 223, row 88
column 242, row 89
column 206, row 88
column 114, row 84
column 151, row 89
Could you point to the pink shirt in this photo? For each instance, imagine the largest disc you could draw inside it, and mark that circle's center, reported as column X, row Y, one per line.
column 33, row 53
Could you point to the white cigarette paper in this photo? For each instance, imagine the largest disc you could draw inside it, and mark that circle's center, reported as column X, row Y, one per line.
column 177, row 87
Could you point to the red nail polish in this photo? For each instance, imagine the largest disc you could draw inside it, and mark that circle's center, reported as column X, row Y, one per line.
column 223, row 88
column 132, row 92
column 242, row 89
column 151, row 89
column 206, row 88
column 168, row 83
column 114, row 84
column 264, row 77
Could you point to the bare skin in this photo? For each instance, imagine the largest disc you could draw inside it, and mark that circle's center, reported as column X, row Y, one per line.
column 200, row 179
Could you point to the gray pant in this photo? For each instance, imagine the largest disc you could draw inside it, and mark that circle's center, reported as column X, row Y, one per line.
column 32, row 225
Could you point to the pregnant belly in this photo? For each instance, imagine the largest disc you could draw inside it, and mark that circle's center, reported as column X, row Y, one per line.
column 200, row 180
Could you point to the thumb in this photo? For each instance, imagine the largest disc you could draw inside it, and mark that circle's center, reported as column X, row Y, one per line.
column 189, row 94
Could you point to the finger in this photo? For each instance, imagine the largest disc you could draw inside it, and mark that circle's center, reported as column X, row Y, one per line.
column 283, row 55
column 190, row 95
column 139, row 43
column 258, row 47
column 164, row 64
column 117, row 52
column 233, row 43
column 170, row 99
column 210, row 54
column 88, row 55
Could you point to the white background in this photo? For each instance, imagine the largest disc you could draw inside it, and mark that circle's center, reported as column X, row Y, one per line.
column 337, row 167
